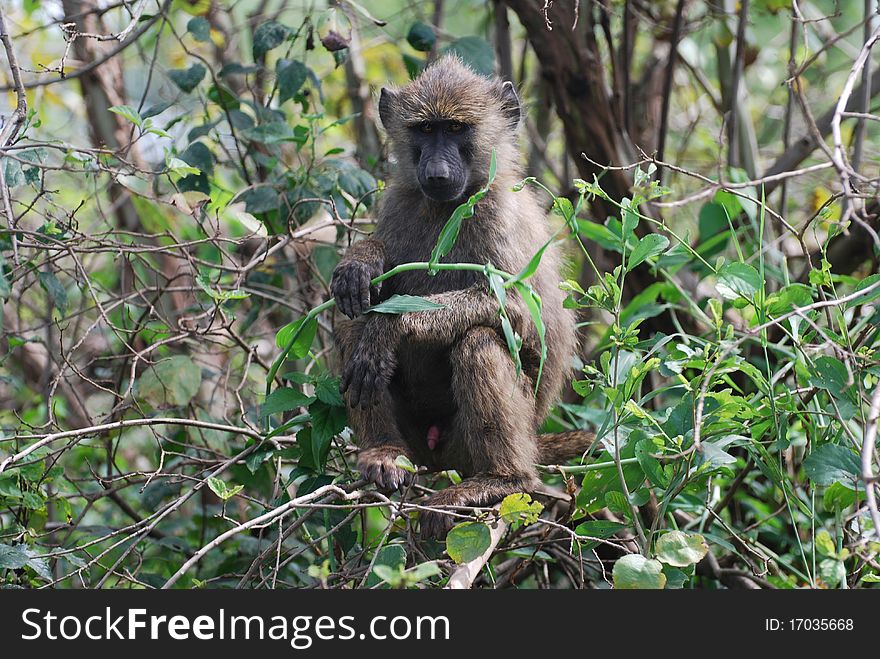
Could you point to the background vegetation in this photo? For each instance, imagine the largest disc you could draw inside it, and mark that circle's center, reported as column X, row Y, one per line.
column 179, row 178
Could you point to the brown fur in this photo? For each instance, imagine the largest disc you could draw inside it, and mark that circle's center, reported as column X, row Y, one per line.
column 450, row 368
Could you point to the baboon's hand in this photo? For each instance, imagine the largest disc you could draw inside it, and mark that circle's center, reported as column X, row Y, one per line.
column 379, row 465
column 351, row 286
column 370, row 368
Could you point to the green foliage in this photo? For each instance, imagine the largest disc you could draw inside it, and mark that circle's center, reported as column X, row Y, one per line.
column 467, row 541
column 728, row 362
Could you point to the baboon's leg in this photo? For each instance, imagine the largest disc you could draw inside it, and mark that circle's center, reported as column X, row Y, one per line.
column 493, row 438
column 375, row 427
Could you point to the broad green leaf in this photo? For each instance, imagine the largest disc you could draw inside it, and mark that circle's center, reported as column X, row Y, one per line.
column 304, row 333
column 405, row 463
column 825, row 545
column 634, row 571
column 831, row 463
column 327, row 422
column 476, row 52
column 421, row 37
column 649, row 464
column 651, row 245
column 675, row 578
column 284, row 399
column 681, row 549
column 830, row 373
column 55, row 289
column 518, row 509
column 267, row 36
column 738, row 280
column 467, row 541
column 838, row 497
column 15, row 557
column 630, row 219
column 599, row 528
column 170, row 382
column 787, row 298
column 221, row 489
column 188, row 79
column 291, row 75
column 598, row 482
column 397, row 304
column 200, row 28
column 327, row 390
column 870, row 282
column 129, row 113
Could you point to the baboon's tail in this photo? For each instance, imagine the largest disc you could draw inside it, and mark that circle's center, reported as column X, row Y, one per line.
column 557, row 447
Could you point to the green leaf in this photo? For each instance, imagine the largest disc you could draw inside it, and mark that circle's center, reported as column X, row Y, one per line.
column 634, row 571
column 787, row 298
column 467, row 541
column 681, row 549
column 284, row 399
column 831, row 463
column 55, row 289
column 535, row 306
column 291, row 75
column 170, row 382
column 597, row 483
column 838, row 497
column 200, row 28
column 327, row 422
column 267, row 36
column 129, row 113
column 390, row 561
column 867, row 282
column 304, row 332
column 630, row 219
column 421, row 37
column 649, row 464
column 738, row 280
column 651, row 245
column 13, row 557
column 476, row 52
column 825, row 545
column 675, row 578
column 397, row 304
column 519, row 509
column 405, row 463
column 599, row 528
column 221, row 489
column 188, row 79
column 830, row 373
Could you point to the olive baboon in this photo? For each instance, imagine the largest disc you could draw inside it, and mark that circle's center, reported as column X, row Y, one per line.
column 440, row 386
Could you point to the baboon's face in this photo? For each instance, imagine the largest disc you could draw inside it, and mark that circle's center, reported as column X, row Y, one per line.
column 441, row 154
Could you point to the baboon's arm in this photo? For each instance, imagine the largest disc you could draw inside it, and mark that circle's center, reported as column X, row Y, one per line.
column 373, row 361
column 351, row 279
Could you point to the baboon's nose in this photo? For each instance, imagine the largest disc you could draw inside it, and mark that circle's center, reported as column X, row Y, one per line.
column 437, row 172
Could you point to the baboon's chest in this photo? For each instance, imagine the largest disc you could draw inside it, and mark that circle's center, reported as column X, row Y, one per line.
column 474, row 245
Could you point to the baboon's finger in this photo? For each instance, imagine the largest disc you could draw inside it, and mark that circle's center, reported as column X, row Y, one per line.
column 355, row 387
column 368, row 386
column 347, row 303
column 364, row 292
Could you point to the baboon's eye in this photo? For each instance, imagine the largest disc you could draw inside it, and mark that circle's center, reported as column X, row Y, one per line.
column 455, row 127
column 426, row 127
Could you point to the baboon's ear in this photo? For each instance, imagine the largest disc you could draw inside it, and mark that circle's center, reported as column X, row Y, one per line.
column 510, row 104
column 387, row 106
